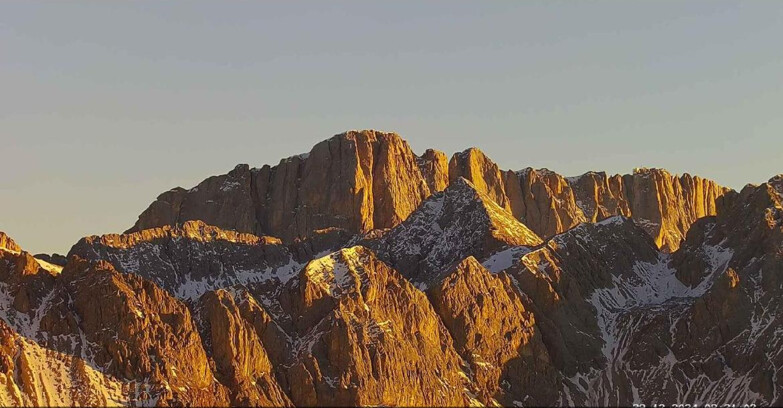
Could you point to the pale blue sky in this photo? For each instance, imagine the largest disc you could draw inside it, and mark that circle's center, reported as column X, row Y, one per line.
column 105, row 104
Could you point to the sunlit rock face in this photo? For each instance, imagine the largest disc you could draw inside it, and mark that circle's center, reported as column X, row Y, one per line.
column 362, row 274
column 496, row 335
column 8, row 244
column 194, row 258
column 357, row 181
column 360, row 181
column 664, row 205
column 483, row 173
column 236, row 346
column 367, row 336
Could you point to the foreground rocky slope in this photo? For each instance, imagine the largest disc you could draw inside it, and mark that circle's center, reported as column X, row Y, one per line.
column 444, row 283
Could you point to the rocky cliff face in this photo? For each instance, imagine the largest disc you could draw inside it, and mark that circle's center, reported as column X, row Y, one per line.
column 496, row 335
column 664, row 205
column 544, row 201
column 482, row 172
column 365, row 180
column 625, row 323
column 194, row 258
column 356, row 181
column 241, row 360
column 31, row 375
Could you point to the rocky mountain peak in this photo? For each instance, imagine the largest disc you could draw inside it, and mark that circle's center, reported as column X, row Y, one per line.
column 665, row 205
column 777, row 183
column 543, row 200
column 449, row 226
column 473, row 165
column 357, row 181
column 8, row 244
column 367, row 336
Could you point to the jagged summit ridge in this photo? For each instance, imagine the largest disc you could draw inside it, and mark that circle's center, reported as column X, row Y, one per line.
column 365, row 180
column 194, row 258
column 193, row 230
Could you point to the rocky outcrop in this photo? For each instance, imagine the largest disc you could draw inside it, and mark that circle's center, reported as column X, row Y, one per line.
column 135, row 331
column 92, row 322
column 6, row 243
column 357, row 181
column 434, row 166
column 543, row 200
column 24, row 280
column 601, row 196
column 663, row 204
column 482, row 172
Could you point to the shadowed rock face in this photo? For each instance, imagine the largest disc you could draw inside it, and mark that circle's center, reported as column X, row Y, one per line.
column 54, row 259
column 626, row 323
column 459, row 222
column 560, row 277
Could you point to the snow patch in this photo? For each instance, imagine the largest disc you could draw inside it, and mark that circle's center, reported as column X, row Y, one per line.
column 505, row 259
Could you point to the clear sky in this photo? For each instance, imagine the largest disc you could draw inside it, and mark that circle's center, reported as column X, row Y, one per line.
column 104, row 105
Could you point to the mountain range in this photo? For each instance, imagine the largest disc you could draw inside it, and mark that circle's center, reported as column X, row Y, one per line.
column 362, row 274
